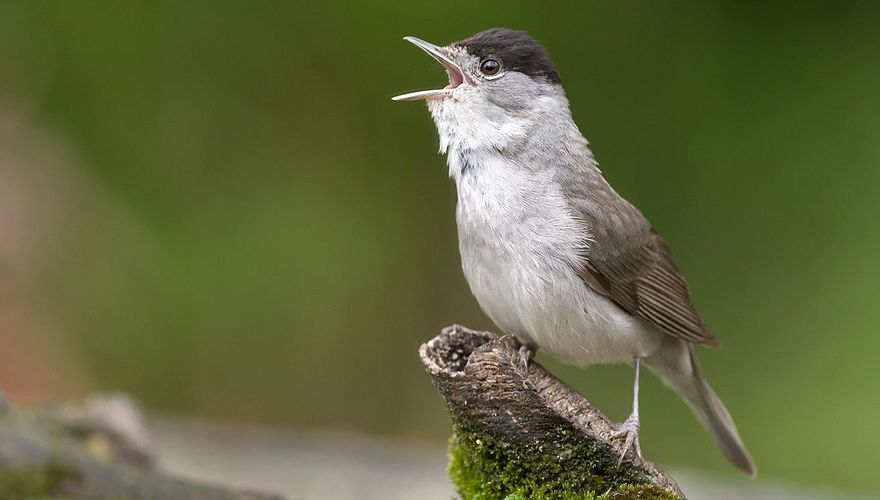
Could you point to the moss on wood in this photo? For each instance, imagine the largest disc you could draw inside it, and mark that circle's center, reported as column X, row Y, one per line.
column 486, row 469
column 520, row 433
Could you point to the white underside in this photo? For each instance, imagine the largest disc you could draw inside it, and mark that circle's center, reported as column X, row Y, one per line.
column 520, row 246
column 520, row 242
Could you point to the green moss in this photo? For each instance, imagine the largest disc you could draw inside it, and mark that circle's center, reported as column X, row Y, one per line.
column 43, row 482
column 640, row 491
column 486, row 469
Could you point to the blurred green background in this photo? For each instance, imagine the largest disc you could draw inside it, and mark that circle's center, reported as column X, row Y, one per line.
column 216, row 207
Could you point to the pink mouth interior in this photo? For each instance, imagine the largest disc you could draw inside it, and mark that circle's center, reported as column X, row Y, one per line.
column 455, row 76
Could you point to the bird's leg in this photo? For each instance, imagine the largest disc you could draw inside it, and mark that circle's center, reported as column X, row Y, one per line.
column 630, row 426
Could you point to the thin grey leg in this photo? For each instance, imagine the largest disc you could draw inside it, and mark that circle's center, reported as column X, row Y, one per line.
column 630, row 427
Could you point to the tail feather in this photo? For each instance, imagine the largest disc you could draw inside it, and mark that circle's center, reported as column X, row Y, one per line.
column 712, row 413
column 679, row 368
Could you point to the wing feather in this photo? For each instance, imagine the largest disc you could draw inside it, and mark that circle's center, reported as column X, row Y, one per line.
column 628, row 262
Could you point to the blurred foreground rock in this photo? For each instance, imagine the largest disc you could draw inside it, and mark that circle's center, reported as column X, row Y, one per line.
column 95, row 450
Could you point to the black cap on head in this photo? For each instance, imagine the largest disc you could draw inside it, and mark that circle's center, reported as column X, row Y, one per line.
column 516, row 50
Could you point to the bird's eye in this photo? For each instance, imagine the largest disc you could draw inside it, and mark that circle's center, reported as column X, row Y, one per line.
column 490, row 67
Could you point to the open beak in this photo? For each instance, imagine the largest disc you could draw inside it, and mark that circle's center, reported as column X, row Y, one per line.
column 456, row 75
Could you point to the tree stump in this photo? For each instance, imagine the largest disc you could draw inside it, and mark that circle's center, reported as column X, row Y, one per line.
column 520, row 433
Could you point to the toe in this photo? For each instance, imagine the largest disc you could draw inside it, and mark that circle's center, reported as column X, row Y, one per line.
column 525, row 355
column 629, row 430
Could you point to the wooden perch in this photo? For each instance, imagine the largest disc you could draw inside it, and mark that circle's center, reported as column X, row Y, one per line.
column 93, row 450
column 521, row 433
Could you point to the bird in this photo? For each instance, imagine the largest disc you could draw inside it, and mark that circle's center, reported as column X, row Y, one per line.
column 554, row 256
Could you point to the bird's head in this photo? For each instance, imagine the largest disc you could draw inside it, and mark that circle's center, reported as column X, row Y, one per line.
column 497, row 78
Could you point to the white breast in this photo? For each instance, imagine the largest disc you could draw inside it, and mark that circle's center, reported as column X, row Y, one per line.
column 520, row 245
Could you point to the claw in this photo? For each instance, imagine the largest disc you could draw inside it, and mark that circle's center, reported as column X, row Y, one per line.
column 525, row 355
column 630, row 429
column 630, row 426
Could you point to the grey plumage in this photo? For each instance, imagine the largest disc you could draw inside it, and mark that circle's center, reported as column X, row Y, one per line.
column 677, row 366
column 552, row 253
column 629, row 262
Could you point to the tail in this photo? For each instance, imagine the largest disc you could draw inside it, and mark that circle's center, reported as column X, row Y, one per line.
column 677, row 366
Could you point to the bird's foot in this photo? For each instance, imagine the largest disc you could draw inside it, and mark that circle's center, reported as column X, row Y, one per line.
column 525, row 355
column 630, row 429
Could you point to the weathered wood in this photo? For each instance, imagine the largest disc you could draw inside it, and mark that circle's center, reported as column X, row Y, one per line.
column 521, row 433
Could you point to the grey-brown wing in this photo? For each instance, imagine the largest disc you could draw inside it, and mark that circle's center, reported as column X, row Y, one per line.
column 629, row 262
column 644, row 280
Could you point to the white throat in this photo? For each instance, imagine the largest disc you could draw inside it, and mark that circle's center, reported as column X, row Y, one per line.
column 471, row 129
column 466, row 131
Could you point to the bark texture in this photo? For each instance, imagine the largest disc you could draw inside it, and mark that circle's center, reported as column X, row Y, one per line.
column 518, row 432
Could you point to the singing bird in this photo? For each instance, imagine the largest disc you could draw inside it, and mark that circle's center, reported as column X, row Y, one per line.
column 553, row 255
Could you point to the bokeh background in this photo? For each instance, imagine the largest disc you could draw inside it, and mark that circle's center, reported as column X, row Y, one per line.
column 215, row 207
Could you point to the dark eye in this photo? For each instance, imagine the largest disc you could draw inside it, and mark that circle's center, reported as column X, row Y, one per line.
column 490, row 67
